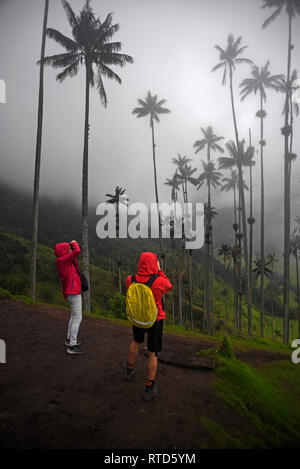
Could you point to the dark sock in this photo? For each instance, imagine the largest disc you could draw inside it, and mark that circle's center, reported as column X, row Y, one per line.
column 149, row 383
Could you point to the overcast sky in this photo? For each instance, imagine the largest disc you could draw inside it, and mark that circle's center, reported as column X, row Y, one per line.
column 172, row 43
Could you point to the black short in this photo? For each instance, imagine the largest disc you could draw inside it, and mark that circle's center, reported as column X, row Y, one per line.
column 155, row 334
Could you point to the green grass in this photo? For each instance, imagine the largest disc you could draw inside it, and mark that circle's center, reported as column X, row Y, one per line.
column 218, row 437
column 261, row 397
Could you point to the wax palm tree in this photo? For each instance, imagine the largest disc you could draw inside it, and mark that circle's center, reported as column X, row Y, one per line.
column 232, row 183
column 181, row 162
column 291, row 88
column 211, row 176
column 116, row 199
column 208, row 316
column 229, row 58
column 292, row 8
column 90, row 46
column 262, row 268
column 152, row 107
column 239, row 158
column 38, row 154
column 250, row 162
column 184, row 176
column 225, row 251
column 259, row 82
column 174, row 183
column 271, row 259
column 209, row 141
column 236, row 158
column 295, row 251
column 277, row 334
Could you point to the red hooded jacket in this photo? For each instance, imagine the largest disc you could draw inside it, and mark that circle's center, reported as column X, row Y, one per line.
column 146, row 267
column 71, row 283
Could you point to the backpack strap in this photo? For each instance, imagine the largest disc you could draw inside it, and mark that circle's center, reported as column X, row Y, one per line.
column 150, row 282
column 76, row 268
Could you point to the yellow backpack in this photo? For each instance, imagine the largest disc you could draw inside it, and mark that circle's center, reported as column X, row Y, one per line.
column 140, row 303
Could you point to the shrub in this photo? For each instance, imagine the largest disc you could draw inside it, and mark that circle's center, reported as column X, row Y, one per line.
column 226, row 349
column 117, row 306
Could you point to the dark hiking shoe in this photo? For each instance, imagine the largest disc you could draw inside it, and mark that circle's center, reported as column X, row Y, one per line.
column 129, row 375
column 67, row 343
column 150, row 392
column 75, row 350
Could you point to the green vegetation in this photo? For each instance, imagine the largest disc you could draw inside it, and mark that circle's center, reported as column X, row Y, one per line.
column 262, row 399
column 226, row 349
column 15, row 268
column 117, row 306
column 14, row 275
column 219, row 437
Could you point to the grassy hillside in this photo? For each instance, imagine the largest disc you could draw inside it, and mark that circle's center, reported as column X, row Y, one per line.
column 15, row 268
column 265, row 395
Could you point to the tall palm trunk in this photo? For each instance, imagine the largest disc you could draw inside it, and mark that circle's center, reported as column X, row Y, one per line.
column 156, row 189
column 240, row 292
column 207, row 316
column 211, row 300
column 189, row 262
column 298, row 291
column 286, row 261
column 262, row 219
column 235, row 263
column 84, row 216
column 251, row 221
column 118, row 244
column 38, row 152
column 180, row 292
column 172, row 292
column 249, row 295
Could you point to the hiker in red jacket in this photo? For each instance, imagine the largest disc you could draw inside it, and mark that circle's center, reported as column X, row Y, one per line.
column 147, row 266
column 67, row 266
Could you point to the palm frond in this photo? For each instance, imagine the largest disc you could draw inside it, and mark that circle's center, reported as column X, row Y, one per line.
column 72, row 18
column 101, row 89
column 61, row 60
column 106, row 71
column 63, row 40
column 69, row 71
column 272, row 17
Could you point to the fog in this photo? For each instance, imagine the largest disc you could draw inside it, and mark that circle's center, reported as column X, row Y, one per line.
column 172, row 43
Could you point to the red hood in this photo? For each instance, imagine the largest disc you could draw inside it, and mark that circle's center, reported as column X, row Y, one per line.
column 147, row 264
column 61, row 249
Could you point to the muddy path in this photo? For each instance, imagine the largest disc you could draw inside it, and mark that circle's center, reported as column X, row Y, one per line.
column 49, row 399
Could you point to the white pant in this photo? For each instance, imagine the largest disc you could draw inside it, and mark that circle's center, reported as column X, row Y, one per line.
column 75, row 319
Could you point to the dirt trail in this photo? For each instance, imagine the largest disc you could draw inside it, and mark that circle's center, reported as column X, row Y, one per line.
column 49, row 399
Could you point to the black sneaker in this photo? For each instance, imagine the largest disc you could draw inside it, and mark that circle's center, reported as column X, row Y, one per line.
column 75, row 350
column 129, row 374
column 150, row 392
column 67, row 343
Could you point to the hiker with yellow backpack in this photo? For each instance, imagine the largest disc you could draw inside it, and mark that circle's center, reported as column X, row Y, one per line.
column 145, row 311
